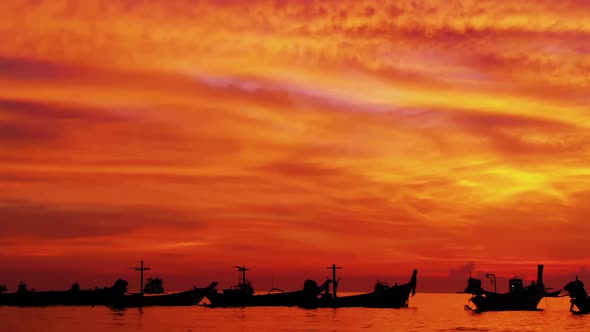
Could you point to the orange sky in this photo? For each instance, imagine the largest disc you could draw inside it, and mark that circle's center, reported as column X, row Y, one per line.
column 287, row 135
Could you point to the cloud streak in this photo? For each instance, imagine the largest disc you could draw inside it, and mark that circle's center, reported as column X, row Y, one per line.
column 411, row 132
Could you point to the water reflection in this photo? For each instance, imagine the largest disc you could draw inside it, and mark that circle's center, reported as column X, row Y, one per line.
column 429, row 312
column 118, row 315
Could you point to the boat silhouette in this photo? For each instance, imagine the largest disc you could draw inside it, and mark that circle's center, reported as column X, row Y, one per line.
column 74, row 296
column 383, row 295
column 115, row 296
column 313, row 296
column 243, row 295
column 579, row 297
column 519, row 297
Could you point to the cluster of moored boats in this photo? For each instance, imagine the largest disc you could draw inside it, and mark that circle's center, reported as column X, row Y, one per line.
column 312, row 295
column 242, row 295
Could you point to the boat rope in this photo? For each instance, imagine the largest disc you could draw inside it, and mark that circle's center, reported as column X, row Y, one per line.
column 276, row 290
column 546, row 303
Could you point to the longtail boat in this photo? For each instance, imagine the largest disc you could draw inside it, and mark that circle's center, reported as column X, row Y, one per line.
column 243, row 295
column 579, row 297
column 155, row 294
column 100, row 296
column 115, row 296
column 519, row 297
column 383, row 295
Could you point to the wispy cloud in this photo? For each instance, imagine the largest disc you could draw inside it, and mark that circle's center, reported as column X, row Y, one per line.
column 404, row 131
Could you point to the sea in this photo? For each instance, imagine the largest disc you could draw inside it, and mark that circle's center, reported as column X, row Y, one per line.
column 426, row 312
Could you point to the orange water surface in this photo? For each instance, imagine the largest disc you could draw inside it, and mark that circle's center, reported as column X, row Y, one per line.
column 427, row 312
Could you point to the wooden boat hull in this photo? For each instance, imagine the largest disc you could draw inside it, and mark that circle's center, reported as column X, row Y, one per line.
column 67, row 298
column 392, row 297
column 580, row 312
column 187, row 298
column 306, row 298
column 291, row 299
column 521, row 300
column 103, row 297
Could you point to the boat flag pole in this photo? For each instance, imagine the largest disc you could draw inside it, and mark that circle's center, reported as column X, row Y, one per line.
column 141, row 268
column 334, row 281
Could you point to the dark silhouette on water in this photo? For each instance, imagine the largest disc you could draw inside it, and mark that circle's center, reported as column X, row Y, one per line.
column 519, row 297
column 242, row 295
column 141, row 299
column 114, row 296
column 579, row 297
column 383, row 295
column 74, row 296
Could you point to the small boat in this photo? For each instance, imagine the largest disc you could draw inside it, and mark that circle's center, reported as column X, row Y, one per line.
column 153, row 294
column 115, row 296
column 100, row 296
column 579, row 297
column 243, row 295
column 383, row 295
column 519, row 297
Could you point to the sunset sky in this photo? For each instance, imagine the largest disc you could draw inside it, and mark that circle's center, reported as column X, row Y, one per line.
column 448, row 136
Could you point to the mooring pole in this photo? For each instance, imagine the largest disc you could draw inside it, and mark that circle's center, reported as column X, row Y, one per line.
column 141, row 269
column 334, row 281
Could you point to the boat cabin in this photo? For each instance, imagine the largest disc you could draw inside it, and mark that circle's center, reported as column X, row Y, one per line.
column 515, row 284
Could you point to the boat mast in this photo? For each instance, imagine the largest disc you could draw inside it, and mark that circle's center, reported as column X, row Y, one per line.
column 242, row 273
column 141, row 269
column 334, row 281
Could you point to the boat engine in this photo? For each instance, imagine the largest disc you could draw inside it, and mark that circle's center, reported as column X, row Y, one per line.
column 119, row 287
column 474, row 286
column 310, row 286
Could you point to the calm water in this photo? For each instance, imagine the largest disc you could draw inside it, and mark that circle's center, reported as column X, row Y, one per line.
column 427, row 312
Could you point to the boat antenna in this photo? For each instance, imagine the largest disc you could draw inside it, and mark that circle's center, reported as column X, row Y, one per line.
column 492, row 278
column 141, row 268
column 334, row 280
